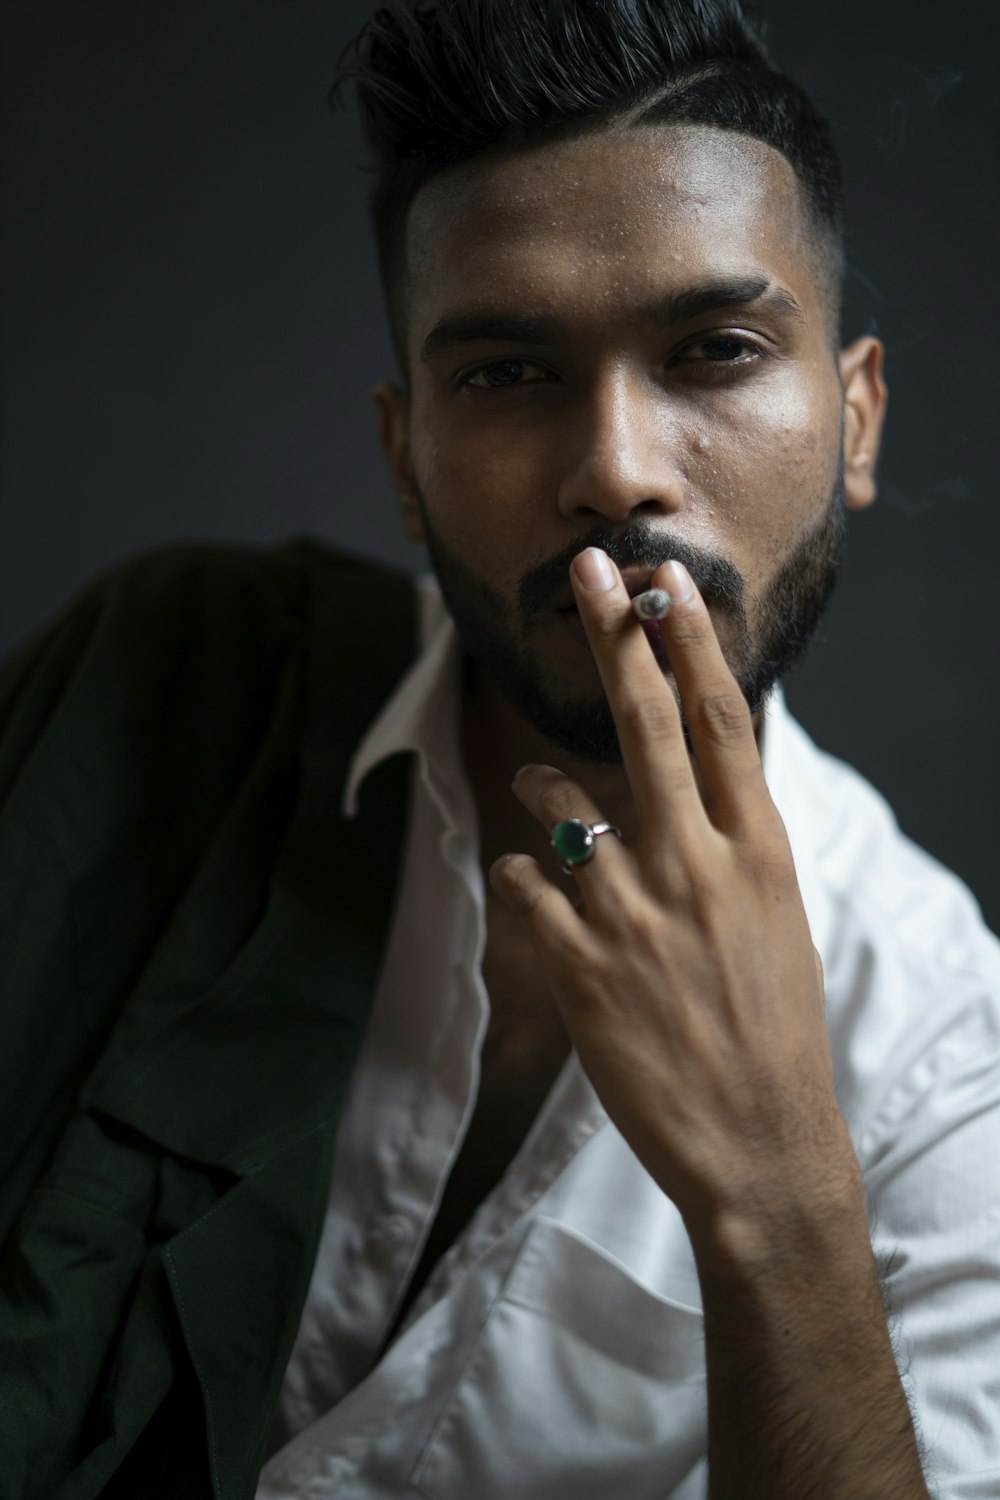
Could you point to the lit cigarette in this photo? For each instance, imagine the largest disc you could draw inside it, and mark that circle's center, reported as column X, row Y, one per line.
column 652, row 605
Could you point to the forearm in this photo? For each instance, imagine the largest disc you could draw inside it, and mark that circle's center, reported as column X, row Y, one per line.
column 804, row 1398
column 693, row 994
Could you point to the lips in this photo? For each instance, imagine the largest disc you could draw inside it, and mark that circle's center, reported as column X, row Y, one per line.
column 650, row 628
column 636, row 581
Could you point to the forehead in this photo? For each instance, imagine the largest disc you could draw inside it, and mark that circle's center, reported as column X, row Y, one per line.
column 612, row 216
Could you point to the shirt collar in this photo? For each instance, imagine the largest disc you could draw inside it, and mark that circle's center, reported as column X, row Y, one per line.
column 422, row 714
column 771, row 738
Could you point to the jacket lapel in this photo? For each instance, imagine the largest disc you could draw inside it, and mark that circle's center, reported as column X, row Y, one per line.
column 263, row 1057
column 251, row 1080
column 241, row 1272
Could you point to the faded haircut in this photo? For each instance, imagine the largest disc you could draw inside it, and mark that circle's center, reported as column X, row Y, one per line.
column 440, row 83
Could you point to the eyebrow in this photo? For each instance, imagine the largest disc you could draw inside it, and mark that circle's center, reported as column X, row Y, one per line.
column 679, row 307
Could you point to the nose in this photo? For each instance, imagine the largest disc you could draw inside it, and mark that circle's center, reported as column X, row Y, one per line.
column 623, row 454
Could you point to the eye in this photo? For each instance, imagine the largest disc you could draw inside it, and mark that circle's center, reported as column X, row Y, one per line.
column 500, row 375
column 726, row 350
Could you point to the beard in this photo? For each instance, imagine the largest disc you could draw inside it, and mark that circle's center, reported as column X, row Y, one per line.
column 786, row 615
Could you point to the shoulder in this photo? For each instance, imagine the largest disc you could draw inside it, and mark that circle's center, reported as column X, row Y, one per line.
column 912, row 971
column 866, row 863
column 175, row 645
column 160, row 743
column 185, row 589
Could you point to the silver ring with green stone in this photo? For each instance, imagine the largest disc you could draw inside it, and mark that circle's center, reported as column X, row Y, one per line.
column 574, row 841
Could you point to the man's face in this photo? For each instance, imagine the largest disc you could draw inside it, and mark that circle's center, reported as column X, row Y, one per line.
column 621, row 340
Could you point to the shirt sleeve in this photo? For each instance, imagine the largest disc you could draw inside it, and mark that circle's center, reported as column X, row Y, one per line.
column 931, row 1161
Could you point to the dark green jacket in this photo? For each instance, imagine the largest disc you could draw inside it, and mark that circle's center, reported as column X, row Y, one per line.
column 189, row 939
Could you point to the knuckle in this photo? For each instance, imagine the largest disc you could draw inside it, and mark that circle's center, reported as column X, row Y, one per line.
column 724, row 716
column 698, row 885
column 561, row 800
column 651, row 718
column 610, row 624
column 512, row 876
column 674, row 778
column 697, row 875
column 647, row 926
column 687, row 626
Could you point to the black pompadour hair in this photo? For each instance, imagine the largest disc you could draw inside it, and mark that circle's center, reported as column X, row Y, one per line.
column 438, row 83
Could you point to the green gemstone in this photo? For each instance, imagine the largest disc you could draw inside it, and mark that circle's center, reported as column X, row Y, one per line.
column 572, row 841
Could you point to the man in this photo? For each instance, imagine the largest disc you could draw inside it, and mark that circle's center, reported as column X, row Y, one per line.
column 360, row 1142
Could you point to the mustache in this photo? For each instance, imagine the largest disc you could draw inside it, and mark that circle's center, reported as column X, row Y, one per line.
column 638, row 545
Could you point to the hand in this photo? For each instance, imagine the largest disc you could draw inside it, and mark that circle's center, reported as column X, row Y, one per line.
column 687, row 979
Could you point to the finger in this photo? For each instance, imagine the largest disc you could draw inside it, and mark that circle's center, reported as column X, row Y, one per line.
column 554, row 927
column 642, row 704
column 568, row 953
column 550, row 796
column 553, row 798
column 717, row 714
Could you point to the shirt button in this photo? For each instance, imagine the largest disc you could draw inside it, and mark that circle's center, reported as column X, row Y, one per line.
column 317, row 1488
column 301, row 1467
column 396, row 1232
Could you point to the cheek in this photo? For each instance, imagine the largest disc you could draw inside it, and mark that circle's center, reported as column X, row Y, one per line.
column 782, row 458
column 798, row 465
column 484, row 507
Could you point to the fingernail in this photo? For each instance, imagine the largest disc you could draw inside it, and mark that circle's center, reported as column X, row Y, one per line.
column 679, row 584
column 593, row 569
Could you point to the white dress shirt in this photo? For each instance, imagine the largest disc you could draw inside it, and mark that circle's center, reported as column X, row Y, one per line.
column 556, row 1352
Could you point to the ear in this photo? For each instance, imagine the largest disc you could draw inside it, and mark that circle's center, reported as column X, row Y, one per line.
column 392, row 406
column 865, row 398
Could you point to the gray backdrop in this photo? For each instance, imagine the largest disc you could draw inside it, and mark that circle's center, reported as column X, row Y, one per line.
column 192, row 325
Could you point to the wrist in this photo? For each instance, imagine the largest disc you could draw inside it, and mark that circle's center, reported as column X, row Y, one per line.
column 771, row 1226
